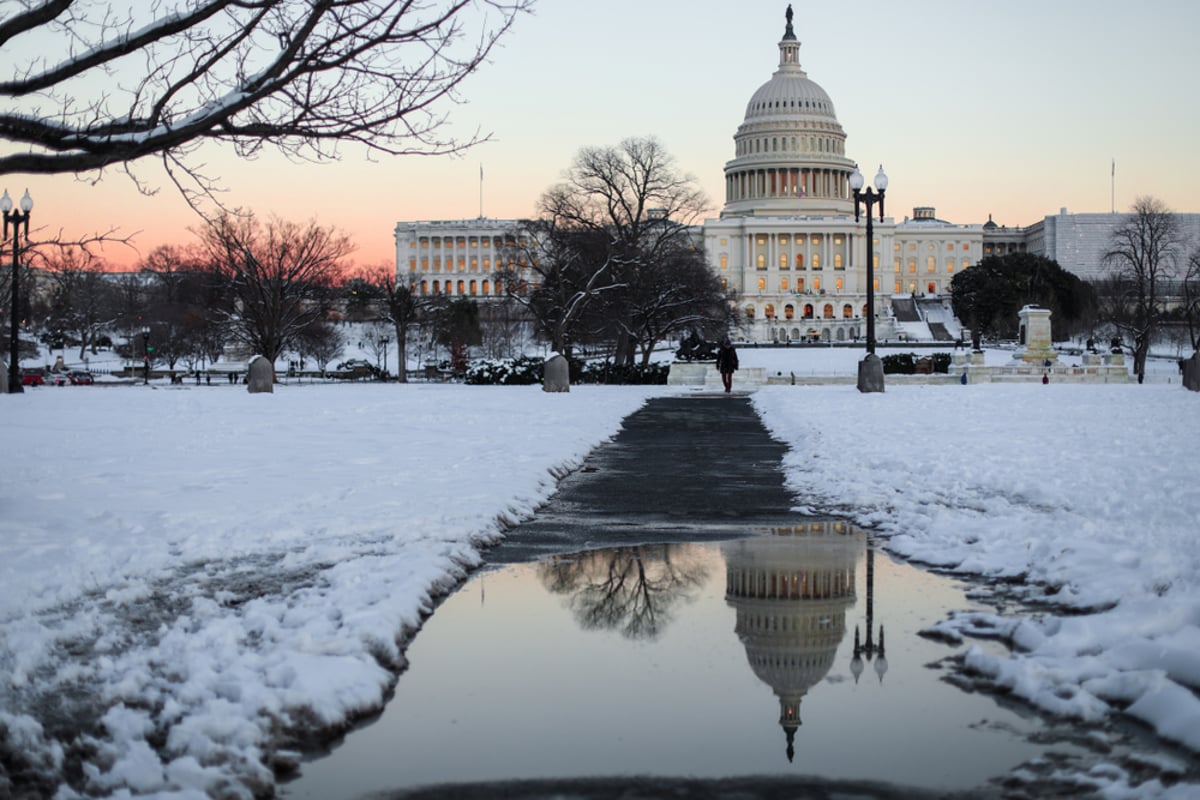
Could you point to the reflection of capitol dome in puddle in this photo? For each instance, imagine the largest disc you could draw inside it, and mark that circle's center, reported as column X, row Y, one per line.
column 791, row 591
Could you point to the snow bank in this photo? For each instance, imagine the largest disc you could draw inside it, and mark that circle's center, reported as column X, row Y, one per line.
column 194, row 575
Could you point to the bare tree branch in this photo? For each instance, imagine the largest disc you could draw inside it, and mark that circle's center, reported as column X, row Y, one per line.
column 302, row 75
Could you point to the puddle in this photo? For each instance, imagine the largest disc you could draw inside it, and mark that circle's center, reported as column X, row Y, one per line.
column 715, row 660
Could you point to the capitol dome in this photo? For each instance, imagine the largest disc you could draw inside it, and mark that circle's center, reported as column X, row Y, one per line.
column 790, row 155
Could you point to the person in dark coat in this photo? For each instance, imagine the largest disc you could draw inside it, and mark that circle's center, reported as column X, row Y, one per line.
column 727, row 363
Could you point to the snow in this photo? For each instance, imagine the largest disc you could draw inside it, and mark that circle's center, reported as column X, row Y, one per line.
column 192, row 572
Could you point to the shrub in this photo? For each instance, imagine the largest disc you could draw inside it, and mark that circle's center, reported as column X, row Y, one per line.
column 604, row 372
column 906, row 363
column 521, row 371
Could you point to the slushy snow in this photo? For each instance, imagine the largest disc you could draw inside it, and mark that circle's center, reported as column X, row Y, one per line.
column 196, row 578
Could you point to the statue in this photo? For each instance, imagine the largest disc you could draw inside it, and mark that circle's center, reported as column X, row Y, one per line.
column 695, row 348
column 789, row 15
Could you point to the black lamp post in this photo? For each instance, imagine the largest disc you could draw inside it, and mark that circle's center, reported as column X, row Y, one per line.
column 146, row 353
column 870, row 369
column 16, row 220
column 384, row 341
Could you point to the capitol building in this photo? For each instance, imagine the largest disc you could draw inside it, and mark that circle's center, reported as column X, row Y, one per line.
column 786, row 245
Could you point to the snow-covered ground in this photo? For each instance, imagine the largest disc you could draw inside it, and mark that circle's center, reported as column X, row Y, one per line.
column 191, row 573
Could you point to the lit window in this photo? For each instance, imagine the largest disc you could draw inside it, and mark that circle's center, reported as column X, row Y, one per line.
column 816, row 284
column 838, row 284
column 783, row 284
column 724, row 261
column 762, row 261
column 762, row 284
column 896, row 265
column 912, row 266
column 816, row 262
column 799, row 284
column 799, row 260
column 784, row 239
column 837, row 261
column 769, row 311
column 412, row 264
column 783, row 261
column 931, row 264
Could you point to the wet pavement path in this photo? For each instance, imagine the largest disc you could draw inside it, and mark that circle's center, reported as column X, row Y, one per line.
column 681, row 469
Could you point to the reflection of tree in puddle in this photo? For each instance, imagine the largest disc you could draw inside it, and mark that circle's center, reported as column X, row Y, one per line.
column 628, row 589
column 791, row 591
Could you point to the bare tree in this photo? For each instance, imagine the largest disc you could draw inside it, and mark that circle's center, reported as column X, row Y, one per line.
column 82, row 302
column 1191, row 299
column 605, row 235
column 89, row 84
column 399, row 304
column 1143, row 256
column 280, row 274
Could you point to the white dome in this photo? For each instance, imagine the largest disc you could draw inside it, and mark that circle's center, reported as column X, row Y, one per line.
column 789, row 94
column 790, row 150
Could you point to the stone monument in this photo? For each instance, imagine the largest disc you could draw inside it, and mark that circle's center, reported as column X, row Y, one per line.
column 260, row 376
column 557, row 374
column 1036, row 345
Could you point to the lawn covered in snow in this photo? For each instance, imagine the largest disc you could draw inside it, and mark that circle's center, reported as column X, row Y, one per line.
column 191, row 574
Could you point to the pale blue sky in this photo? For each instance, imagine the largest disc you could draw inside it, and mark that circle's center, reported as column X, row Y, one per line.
column 1014, row 109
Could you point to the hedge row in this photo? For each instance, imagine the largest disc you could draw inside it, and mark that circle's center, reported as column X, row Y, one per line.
column 907, row 363
column 527, row 370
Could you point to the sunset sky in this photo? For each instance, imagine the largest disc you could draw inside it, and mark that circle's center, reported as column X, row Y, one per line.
column 1013, row 109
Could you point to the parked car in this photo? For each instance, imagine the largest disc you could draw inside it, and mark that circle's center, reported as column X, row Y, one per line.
column 32, row 377
column 79, row 377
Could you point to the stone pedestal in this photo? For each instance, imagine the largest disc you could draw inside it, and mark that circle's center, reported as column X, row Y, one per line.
column 260, row 376
column 1037, row 346
column 556, row 376
column 1191, row 373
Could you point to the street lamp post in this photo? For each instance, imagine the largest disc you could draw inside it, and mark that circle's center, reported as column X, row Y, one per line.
column 16, row 220
column 146, row 353
column 870, row 369
column 384, row 341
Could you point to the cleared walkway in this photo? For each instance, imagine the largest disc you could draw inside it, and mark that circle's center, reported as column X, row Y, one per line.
column 682, row 468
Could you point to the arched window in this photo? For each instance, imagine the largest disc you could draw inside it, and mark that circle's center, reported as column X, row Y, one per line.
column 783, row 284
column 847, row 311
column 932, row 288
column 799, row 260
column 462, row 285
column 789, row 311
column 424, row 287
column 487, row 287
column 808, row 311
column 762, row 284
column 769, row 311
column 474, row 287
column 749, row 312
column 828, row 311
column 864, row 310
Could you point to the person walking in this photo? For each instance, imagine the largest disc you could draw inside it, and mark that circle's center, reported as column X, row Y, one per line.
column 727, row 363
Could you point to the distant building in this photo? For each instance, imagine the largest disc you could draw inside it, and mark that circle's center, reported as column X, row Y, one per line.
column 786, row 245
